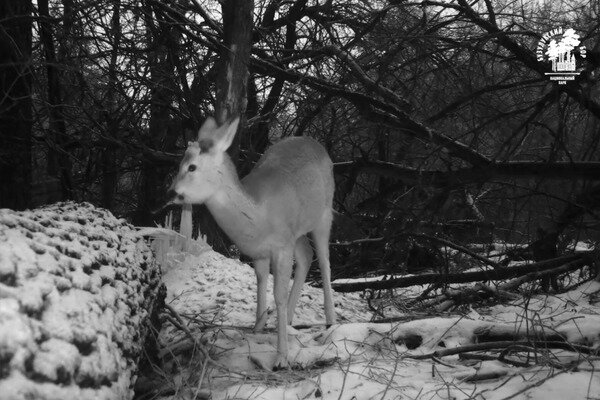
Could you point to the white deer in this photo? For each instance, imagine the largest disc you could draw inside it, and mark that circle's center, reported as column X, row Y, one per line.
column 267, row 214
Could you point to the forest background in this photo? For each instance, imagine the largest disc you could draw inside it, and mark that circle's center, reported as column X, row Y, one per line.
column 439, row 116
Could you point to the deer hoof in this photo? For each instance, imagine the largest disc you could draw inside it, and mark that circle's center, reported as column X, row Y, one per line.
column 281, row 363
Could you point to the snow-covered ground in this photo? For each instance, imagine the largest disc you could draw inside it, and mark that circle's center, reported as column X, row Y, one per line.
column 48, row 253
column 215, row 297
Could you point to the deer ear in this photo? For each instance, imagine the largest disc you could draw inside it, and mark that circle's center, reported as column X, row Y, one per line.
column 227, row 133
column 208, row 129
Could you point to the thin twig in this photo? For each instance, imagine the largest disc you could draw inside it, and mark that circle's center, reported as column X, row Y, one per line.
column 176, row 320
column 487, row 357
column 506, row 344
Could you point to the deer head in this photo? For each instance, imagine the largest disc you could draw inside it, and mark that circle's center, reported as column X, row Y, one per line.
column 201, row 170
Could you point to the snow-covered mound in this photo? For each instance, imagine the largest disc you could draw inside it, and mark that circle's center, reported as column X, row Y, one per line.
column 224, row 290
column 76, row 286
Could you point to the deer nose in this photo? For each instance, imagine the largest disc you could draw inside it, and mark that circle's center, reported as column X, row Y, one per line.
column 173, row 195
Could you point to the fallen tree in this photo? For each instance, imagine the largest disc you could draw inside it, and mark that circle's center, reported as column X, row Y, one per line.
column 574, row 261
column 465, row 295
column 78, row 288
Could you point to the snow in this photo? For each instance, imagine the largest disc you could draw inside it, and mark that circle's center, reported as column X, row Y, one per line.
column 368, row 279
column 63, row 328
column 56, row 357
column 224, row 290
column 71, row 303
column 358, row 359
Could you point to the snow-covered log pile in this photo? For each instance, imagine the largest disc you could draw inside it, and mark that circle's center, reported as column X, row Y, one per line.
column 77, row 287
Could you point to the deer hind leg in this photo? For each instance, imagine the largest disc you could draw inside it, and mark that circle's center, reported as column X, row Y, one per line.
column 321, row 239
column 261, row 268
column 282, row 271
column 303, row 255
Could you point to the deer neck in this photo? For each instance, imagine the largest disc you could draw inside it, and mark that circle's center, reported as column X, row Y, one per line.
column 236, row 212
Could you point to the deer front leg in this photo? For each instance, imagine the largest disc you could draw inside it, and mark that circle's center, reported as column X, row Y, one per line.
column 282, row 271
column 261, row 268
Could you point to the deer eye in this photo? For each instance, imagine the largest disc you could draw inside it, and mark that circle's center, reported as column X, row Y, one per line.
column 192, row 167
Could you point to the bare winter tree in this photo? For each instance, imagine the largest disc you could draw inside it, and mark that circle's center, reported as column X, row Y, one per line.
column 15, row 104
column 439, row 115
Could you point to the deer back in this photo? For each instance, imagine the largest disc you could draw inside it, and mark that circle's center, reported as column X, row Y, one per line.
column 294, row 183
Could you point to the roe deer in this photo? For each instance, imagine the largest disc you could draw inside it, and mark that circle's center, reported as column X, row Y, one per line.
column 267, row 214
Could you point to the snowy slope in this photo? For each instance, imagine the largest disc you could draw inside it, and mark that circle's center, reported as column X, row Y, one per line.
column 212, row 283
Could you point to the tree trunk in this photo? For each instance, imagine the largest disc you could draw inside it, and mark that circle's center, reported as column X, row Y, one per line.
column 231, row 91
column 163, row 42
column 109, row 163
column 258, row 134
column 231, row 99
column 59, row 163
column 15, row 104
column 575, row 261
